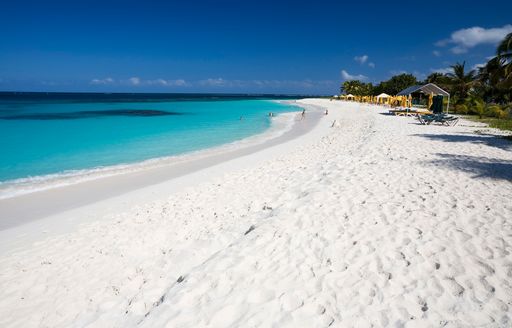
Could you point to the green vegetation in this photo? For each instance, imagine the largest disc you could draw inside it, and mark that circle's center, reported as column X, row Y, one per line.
column 396, row 84
column 357, row 88
column 392, row 86
column 502, row 124
column 486, row 92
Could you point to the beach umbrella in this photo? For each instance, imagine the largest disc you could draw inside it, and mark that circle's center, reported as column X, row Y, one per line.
column 401, row 99
column 384, row 98
column 430, row 100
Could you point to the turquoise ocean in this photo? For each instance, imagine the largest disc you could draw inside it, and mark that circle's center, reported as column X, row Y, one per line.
column 50, row 134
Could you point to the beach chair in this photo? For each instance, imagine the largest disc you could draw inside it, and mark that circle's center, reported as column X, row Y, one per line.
column 443, row 119
column 425, row 119
column 447, row 120
column 401, row 112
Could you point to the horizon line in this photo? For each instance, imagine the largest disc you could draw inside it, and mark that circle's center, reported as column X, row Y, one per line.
column 164, row 93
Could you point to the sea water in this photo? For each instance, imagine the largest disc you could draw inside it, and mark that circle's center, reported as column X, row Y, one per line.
column 51, row 134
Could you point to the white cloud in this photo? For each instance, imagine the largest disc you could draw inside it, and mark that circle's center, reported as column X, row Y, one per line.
column 467, row 38
column 459, row 50
column 104, row 81
column 180, row 83
column 445, row 70
column 478, row 66
column 158, row 82
column 348, row 77
column 361, row 59
column 279, row 85
column 134, row 80
column 220, row 82
column 166, row 83
column 217, row 82
column 436, row 53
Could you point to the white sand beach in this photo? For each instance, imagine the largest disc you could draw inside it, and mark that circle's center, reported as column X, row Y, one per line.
column 378, row 221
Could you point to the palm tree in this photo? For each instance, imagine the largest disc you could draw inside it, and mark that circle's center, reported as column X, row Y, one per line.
column 505, row 47
column 435, row 77
column 490, row 77
column 496, row 76
column 504, row 55
column 438, row 78
column 461, row 81
column 357, row 88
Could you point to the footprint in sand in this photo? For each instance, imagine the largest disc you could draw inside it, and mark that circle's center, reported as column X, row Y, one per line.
column 453, row 287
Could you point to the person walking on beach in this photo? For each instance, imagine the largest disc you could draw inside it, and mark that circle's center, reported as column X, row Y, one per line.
column 303, row 115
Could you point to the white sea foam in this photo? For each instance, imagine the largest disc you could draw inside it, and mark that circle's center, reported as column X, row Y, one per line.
column 280, row 125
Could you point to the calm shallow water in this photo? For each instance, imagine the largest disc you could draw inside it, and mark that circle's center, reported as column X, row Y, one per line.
column 41, row 136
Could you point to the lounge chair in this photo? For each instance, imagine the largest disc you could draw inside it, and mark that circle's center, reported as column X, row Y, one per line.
column 438, row 118
column 403, row 112
column 448, row 120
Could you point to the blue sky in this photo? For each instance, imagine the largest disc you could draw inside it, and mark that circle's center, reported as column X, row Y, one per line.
column 238, row 46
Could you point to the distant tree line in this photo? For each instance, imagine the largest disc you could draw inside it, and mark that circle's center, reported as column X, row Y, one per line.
column 486, row 91
column 392, row 86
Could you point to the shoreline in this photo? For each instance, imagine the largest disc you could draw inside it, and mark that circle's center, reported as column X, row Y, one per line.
column 377, row 221
column 281, row 123
column 31, row 207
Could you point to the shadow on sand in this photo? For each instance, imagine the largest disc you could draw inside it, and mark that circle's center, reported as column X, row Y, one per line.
column 483, row 139
column 481, row 167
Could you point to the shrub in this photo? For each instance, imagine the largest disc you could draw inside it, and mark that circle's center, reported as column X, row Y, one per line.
column 508, row 109
column 494, row 110
column 476, row 106
column 461, row 109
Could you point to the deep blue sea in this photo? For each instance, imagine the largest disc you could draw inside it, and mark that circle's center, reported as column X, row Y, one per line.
column 42, row 134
